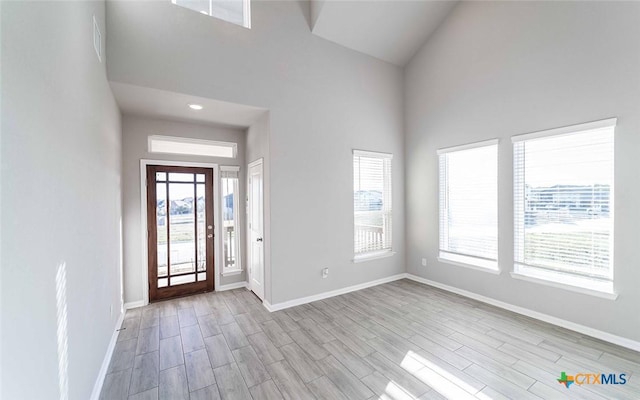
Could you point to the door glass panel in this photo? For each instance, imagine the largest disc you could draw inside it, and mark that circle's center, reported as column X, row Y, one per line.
column 181, row 280
column 228, row 223
column 202, row 227
column 182, row 219
column 180, row 177
column 182, row 227
column 161, row 227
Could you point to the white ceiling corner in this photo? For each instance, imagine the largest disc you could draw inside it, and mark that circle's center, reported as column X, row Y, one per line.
column 391, row 30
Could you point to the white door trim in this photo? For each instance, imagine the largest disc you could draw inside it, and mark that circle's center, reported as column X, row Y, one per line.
column 143, row 218
column 259, row 161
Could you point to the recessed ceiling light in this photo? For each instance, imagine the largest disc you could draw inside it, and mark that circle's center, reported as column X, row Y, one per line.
column 197, row 107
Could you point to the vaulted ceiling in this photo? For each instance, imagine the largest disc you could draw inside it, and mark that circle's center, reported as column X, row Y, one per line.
column 391, row 30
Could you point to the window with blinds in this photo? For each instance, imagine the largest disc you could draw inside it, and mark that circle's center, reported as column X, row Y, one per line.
column 563, row 205
column 469, row 205
column 371, row 203
column 230, row 185
column 235, row 11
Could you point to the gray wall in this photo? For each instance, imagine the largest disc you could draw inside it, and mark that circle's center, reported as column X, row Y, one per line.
column 61, row 202
column 324, row 100
column 497, row 69
column 135, row 131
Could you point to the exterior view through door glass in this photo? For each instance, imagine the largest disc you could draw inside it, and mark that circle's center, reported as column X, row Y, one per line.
column 180, row 230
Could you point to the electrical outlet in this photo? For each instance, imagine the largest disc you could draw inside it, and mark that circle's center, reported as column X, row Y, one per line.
column 325, row 272
column 424, row 262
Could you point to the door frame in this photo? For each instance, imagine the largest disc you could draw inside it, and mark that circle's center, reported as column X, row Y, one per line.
column 143, row 219
column 259, row 161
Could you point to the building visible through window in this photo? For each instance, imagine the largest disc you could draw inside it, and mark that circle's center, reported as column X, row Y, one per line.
column 563, row 203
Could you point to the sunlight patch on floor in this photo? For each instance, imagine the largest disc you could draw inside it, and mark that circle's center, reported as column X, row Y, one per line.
column 443, row 382
column 393, row 391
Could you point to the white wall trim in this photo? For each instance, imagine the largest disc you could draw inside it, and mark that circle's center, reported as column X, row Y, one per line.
column 102, row 374
column 484, row 143
column 598, row 334
column 231, row 286
column 565, row 130
column 372, row 154
column 370, row 256
column 134, row 304
column 143, row 220
column 566, row 286
column 325, row 295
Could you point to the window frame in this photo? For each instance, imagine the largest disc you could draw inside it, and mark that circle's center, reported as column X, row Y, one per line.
column 238, row 268
column 466, row 260
column 246, row 12
column 386, row 211
column 582, row 283
column 203, row 143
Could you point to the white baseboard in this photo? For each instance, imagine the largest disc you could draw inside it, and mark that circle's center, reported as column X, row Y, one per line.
column 598, row 334
column 97, row 387
column 231, row 286
column 320, row 296
column 133, row 304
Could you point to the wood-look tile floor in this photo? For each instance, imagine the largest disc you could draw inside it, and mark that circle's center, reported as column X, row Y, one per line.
column 401, row 340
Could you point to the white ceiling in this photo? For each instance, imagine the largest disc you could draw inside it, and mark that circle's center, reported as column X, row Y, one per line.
column 391, row 30
column 150, row 102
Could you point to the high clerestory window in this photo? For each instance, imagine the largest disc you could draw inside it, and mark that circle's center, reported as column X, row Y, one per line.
column 235, row 11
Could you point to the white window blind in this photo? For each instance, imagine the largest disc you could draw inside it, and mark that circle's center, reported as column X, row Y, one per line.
column 563, row 205
column 372, row 203
column 230, row 219
column 469, row 204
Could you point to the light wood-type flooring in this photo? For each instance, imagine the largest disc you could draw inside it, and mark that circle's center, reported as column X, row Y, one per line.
column 401, row 340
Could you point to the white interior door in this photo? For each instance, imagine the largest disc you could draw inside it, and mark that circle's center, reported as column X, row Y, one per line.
column 256, row 228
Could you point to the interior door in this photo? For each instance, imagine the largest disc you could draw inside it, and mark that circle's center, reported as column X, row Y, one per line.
column 180, row 231
column 256, row 228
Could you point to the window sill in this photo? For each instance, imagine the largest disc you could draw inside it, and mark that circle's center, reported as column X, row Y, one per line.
column 232, row 272
column 372, row 256
column 444, row 259
column 566, row 285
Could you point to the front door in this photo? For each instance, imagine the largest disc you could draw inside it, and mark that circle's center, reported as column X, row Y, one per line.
column 256, row 233
column 180, row 230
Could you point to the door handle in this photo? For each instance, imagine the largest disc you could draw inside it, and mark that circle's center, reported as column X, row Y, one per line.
column 259, row 240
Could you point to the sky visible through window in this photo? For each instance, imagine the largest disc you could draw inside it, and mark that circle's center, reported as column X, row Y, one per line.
column 583, row 159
